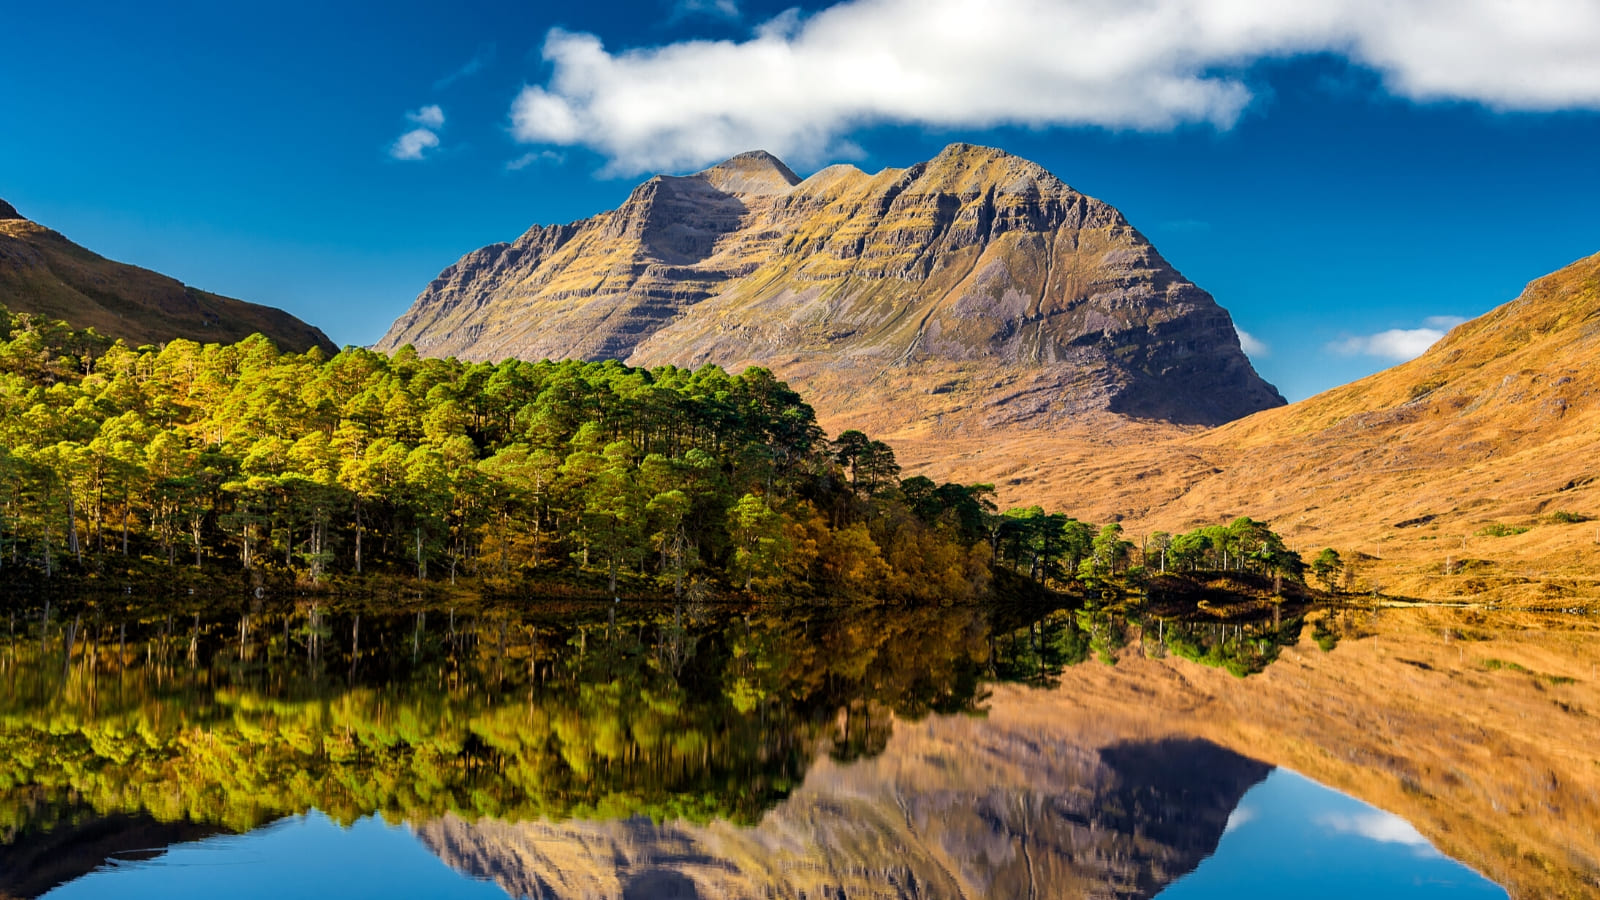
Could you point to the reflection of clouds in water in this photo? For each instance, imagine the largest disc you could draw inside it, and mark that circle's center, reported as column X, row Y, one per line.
column 1385, row 828
column 1240, row 817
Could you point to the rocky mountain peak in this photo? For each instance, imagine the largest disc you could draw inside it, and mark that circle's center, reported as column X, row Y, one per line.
column 7, row 211
column 971, row 292
column 754, row 173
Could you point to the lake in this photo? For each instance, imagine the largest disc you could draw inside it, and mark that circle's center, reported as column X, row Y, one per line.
column 606, row 750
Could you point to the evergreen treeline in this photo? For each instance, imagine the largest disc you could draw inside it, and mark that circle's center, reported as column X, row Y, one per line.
column 238, row 457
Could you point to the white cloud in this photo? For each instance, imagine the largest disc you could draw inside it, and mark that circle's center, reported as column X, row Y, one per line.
column 535, row 156
column 430, row 116
column 1240, row 817
column 471, row 67
column 715, row 9
column 413, row 144
column 1385, row 828
column 801, row 83
column 1253, row 347
column 1397, row 344
column 416, row 143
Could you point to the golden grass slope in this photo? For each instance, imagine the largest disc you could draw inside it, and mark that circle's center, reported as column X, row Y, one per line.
column 1476, row 728
column 1496, row 425
column 42, row 272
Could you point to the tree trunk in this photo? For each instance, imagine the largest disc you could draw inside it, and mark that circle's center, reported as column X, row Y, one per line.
column 72, row 529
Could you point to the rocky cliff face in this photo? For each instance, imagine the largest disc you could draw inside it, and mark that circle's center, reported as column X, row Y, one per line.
column 44, row 273
column 954, row 807
column 969, row 291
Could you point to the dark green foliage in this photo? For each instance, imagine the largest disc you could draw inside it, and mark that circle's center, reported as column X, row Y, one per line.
column 582, row 710
column 1241, row 648
column 1327, row 567
column 1244, row 545
column 240, row 459
column 244, row 462
column 1326, row 633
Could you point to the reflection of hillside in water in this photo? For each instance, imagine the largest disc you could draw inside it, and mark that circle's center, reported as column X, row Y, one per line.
column 955, row 806
column 77, row 841
column 869, row 750
column 586, row 713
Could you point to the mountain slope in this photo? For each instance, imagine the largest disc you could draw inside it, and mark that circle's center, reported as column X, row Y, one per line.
column 1494, row 425
column 971, row 291
column 42, row 272
column 1002, row 806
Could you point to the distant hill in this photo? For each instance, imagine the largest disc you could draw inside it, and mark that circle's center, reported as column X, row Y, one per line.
column 42, row 272
column 969, row 293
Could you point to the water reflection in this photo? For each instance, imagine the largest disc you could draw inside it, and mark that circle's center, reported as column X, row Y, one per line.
column 603, row 750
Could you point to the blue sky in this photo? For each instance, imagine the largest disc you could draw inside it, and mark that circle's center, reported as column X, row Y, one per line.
column 1347, row 177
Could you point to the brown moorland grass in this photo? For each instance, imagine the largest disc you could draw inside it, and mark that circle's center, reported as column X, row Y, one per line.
column 1479, row 729
column 1493, row 763
column 1407, row 472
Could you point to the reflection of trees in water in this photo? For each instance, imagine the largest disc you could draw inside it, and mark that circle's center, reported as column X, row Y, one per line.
column 579, row 710
column 955, row 806
column 582, row 710
column 1036, row 650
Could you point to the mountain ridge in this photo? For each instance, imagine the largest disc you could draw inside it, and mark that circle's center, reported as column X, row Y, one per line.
column 44, row 273
column 970, row 291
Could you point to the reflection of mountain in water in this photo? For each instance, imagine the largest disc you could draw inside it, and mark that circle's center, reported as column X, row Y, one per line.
column 955, row 806
column 41, row 859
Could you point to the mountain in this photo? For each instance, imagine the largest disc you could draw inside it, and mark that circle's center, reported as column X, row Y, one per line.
column 972, row 291
column 1468, row 472
column 42, row 272
column 1001, row 806
column 37, row 861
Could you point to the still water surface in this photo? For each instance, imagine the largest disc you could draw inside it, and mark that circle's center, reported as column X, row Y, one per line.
column 1290, row 836
column 602, row 751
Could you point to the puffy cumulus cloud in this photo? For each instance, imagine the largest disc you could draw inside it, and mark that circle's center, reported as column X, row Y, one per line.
column 800, row 83
column 413, row 144
column 1252, row 346
column 1397, row 344
column 416, row 143
column 430, row 116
